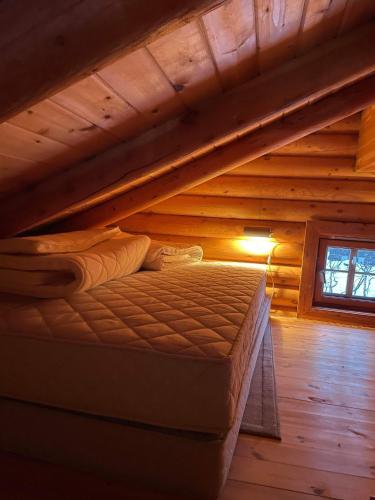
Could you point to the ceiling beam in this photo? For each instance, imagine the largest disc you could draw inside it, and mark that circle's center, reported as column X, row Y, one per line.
column 47, row 45
column 366, row 149
column 258, row 143
column 264, row 99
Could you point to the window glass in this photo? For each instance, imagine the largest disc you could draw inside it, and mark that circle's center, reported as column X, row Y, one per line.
column 335, row 282
column 364, row 286
column 365, row 261
column 337, row 258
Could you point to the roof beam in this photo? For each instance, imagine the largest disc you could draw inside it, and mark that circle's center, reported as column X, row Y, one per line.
column 47, row 45
column 218, row 122
column 366, row 149
column 264, row 140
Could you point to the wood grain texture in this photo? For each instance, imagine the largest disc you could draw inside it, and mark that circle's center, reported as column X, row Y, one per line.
column 76, row 38
column 251, row 146
column 315, row 230
column 231, row 33
column 327, row 145
column 219, row 122
column 269, row 209
column 221, row 227
column 352, row 191
column 366, row 148
column 321, row 17
column 301, row 167
column 222, row 48
column 278, row 25
column 185, row 58
column 139, row 81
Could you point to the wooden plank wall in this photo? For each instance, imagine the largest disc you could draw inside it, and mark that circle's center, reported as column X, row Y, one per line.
column 311, row 178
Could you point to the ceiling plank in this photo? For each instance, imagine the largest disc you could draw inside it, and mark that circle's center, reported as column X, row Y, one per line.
column 53, row 121
column 278, row 27
column 20, row 143
column 366, row 149
column 357, row 12
column 219, row 121
column 92, row 100
column 57, row 45
column 323, row 19
column 139, row 81
column 232, row 37
column 186, row 60
column 298, row 124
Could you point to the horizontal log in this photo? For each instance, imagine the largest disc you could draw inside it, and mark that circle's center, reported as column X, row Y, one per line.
column 302, row 166
column 258, row 209
column 349, row 125
column 254, row 145
column 344, row 145
column 236, row 249
column 290, row 232
column 263, row 100
column 284, row 297
column 288, row 189
column 280, row 276
column 75, row 38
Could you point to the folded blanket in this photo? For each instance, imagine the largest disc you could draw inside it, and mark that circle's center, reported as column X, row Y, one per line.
column 162, row 255
column 75, row 241
column 59, row 275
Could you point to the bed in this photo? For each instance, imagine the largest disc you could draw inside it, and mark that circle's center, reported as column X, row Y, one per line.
column 144, row 377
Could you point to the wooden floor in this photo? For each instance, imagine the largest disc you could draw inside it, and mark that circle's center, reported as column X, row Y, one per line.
column 326, row 389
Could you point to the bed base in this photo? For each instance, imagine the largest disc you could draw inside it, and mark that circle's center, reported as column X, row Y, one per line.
column 195, row 464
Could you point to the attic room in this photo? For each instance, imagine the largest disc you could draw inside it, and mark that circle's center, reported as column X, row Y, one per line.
column 187, row 249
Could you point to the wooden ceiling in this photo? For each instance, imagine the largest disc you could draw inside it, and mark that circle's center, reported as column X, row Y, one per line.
column 164, row 79
column 118, row 120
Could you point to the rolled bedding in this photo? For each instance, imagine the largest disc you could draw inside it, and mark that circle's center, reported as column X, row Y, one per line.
column 75, row 241
column 61, row 274
column 163, row 255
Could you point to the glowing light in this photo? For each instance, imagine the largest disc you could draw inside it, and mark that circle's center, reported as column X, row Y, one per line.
column 257, row 245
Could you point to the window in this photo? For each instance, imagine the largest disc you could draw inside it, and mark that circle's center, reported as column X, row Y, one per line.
column 346, row 274
column 338, row 272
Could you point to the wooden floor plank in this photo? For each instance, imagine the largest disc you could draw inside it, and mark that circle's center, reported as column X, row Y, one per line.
column 328, row 393
column 301, row 479
column 237, row 490
column 331, row 461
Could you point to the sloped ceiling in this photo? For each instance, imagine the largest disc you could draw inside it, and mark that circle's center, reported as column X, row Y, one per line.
column 165, row 79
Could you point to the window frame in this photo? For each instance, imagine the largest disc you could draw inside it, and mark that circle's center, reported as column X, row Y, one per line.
column 347, row 300
column 316, row 230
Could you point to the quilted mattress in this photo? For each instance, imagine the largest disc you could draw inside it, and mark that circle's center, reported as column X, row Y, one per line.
column 166, row 348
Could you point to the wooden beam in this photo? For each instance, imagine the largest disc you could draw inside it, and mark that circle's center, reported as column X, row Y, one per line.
column 366, row 149
column 47, row 45
column 247, row 148
column 223, row 119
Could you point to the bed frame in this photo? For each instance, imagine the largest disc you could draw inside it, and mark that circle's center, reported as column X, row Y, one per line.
column 186, row 462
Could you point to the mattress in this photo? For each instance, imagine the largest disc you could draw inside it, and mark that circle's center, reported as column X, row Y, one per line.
column 120, row 450
column 166, row 348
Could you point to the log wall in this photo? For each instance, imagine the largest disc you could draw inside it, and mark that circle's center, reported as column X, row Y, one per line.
column 313, row 178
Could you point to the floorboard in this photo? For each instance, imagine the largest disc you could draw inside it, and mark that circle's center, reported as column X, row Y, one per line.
column 326, row 391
